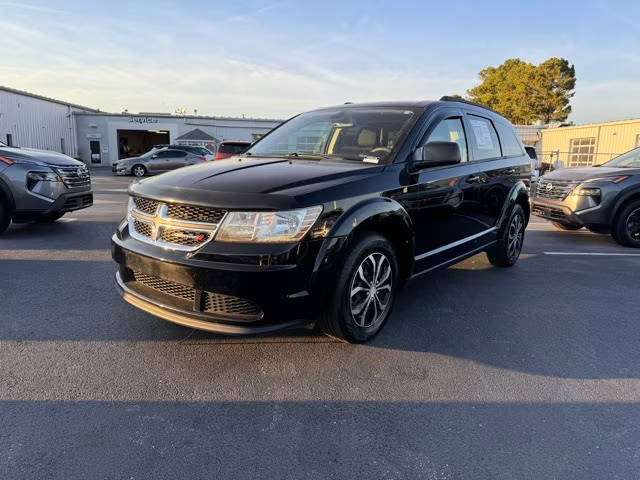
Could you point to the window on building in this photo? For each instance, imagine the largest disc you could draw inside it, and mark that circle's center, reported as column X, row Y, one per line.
column 486, row 144
column 581, row 151
column 62, row 146
column 638, row 140
column 9, row 140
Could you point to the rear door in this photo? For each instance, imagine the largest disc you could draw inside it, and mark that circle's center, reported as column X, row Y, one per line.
column 177, row 159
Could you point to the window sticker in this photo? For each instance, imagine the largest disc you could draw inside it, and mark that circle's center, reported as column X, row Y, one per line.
column 482, row 134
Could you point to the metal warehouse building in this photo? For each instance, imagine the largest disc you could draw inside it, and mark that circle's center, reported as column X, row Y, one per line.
column 35, row 121
column 590, row 144
column 100, row 138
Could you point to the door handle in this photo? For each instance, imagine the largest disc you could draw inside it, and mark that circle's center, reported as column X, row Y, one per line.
column 510, row 171
column 473, row 179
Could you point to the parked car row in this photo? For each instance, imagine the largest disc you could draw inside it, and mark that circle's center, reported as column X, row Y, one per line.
column 162, row 158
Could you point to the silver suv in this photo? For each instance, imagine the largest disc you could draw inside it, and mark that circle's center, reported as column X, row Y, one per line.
column 40, row 185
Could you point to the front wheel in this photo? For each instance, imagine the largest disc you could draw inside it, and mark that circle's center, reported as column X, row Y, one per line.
column 5, row 216
column 138, row 171
column 626, row 230
column 566, row 226
column 365, row 289
column 507, row 251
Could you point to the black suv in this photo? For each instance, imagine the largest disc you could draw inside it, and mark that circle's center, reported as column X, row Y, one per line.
column 325, row 218
column 604, row 198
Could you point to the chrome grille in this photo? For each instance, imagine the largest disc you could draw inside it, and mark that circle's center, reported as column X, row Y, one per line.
column 165, row 286
column 74, row 177
column 187, row 238
column 150, row 222
column 556, row 190
column 195, row 213
column 232, row 306
column 143, row 228
column 146, row 205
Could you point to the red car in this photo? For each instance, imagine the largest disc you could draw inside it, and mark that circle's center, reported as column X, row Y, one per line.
column 229, row 149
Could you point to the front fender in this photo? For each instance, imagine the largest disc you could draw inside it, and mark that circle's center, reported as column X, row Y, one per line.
column 382, row 215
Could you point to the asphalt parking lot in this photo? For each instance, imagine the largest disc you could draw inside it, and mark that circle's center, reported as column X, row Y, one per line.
column 481, row 373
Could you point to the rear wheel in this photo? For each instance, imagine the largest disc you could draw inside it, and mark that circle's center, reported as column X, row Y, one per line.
column 5, row 215
column 507, row 251
column 365, row 289
column 626, row 230
column 566, row 226
column 138, row 171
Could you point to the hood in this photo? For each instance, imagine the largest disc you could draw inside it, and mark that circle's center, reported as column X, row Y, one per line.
column 38, row 157
column 260, row 183
column 587, row 173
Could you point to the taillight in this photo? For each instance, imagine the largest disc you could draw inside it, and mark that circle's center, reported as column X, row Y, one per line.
column 203, row 159
column 6, row 160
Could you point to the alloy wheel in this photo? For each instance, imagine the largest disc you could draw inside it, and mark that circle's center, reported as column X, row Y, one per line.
column 138, row 171
column 515, row 236
column 371, row 290
column 633, row 224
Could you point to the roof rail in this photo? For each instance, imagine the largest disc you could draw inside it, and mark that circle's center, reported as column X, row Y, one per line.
column 448, row 98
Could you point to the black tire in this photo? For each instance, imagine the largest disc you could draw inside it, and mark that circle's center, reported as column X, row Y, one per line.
column 626, row 230
column 5, row 215
column 338, row 320
column 51, row 217
column 566, row 226
column 507, row 251
column 138, row 170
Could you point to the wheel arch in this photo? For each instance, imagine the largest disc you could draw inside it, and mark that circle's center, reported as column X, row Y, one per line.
column 517, row 195
column 383, row 216
column 624, row 199
column 6, row 195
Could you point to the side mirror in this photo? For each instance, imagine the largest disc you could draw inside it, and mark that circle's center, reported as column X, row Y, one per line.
column 435, row 154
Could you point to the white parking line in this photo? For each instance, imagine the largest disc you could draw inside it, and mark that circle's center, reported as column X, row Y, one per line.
column 595, row 254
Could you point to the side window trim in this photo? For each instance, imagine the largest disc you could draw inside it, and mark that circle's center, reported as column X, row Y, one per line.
column 474, row 149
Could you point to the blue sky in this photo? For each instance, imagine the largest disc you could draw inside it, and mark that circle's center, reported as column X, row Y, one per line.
column 276, row 58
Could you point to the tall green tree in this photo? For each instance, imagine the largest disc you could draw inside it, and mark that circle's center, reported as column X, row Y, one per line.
column 524, row 92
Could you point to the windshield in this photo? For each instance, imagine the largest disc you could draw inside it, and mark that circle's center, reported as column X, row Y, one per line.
column 353, row 133
column 631, row 159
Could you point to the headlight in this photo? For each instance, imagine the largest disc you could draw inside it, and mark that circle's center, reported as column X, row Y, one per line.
column 35, row 177
column 268, row 227
column 587, row 192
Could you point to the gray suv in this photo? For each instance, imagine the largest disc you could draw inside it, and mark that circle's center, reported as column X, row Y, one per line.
column 156, row 161
column 603, row 198
column 40, row 185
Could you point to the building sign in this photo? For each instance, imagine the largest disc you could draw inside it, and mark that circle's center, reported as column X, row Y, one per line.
column 94, row 136
column 141, row 120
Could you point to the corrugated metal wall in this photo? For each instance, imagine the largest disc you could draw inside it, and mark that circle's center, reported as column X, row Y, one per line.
column 611, row 139
column 36, row 123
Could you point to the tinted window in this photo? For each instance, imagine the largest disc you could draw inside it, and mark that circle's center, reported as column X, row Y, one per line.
column 485, row 138
column 233, row 148
column 171, row 154
column 510, row 142
column 450, row 130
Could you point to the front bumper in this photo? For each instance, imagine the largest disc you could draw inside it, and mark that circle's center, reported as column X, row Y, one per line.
column 570, row 212
column 182, row 287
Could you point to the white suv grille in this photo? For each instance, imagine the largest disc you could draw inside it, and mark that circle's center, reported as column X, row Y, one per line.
column 171, row 225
